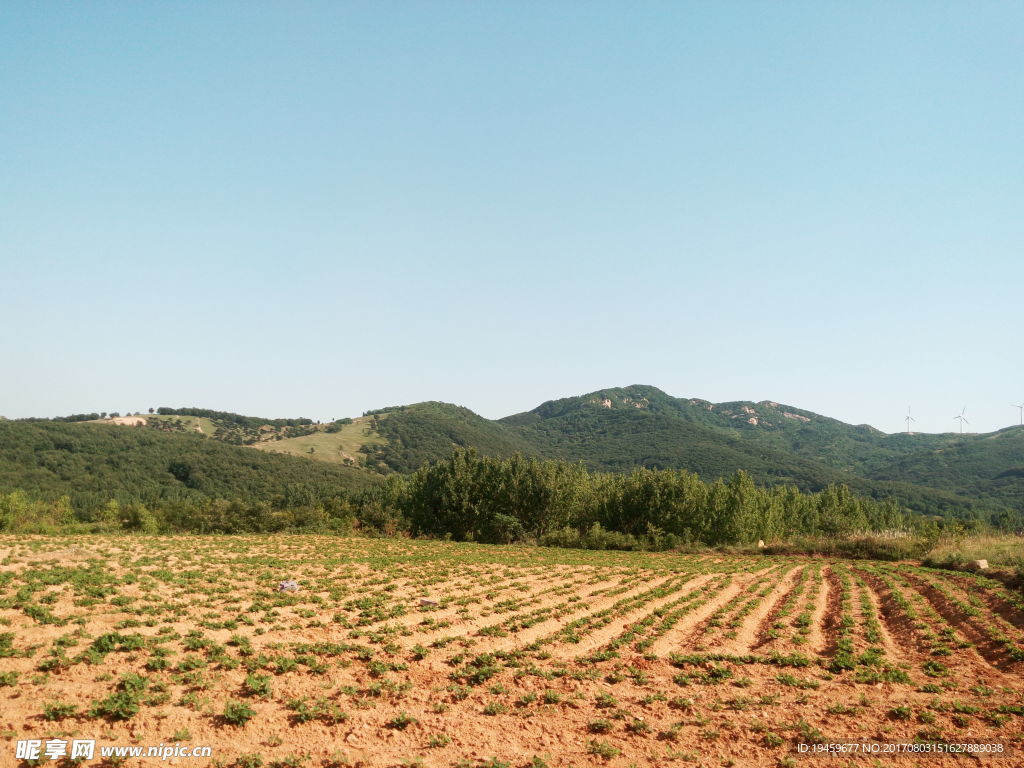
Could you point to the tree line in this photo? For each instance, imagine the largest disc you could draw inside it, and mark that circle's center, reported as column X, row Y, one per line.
column 468, row 497
column 251, row 422
column 486, row 499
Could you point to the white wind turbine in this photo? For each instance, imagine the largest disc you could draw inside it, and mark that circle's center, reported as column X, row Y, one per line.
column 909, row 419
column 1021, row 408
column 962, row 419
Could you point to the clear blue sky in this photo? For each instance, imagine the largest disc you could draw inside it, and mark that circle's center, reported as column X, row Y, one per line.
column 315, row 209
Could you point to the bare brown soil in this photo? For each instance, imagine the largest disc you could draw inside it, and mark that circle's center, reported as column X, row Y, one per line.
column 185, row 640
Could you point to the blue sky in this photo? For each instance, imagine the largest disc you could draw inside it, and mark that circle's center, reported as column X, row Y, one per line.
column 315, row 209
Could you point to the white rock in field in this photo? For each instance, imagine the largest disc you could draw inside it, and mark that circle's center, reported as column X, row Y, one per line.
column 981, row 565
column 760, row 544
column 288, row 586
column 425, row 602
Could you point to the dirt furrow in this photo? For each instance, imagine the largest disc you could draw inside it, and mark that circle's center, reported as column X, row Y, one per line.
column 677, row 639
column 984, row 589
column 610, row 631
column 825, row 621
column 892, row 649
column 758, row 620
column 467, row 626
column 991, row 651
column 971, row 597
column 901, row 628
column 450, row 612
column 581, row 610
column 917, row 635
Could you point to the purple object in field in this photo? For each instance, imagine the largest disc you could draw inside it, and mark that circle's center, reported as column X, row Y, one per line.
column 288, row 586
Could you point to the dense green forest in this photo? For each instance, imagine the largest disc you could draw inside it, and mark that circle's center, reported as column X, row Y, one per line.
column 642, row 426
column 608, row 433
column 419, row 434
column 94, row 463
column 502, row 500
column 485, row 499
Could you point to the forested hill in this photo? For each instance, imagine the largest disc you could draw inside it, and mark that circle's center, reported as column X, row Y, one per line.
column 621, row 428
column 641, row 425
column 94, row 463
column 419, row 434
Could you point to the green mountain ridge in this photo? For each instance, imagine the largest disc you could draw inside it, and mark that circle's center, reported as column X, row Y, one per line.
column 615, row 429
column 622, row 428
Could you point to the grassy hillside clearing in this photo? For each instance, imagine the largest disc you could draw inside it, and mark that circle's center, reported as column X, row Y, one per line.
column 343, row 446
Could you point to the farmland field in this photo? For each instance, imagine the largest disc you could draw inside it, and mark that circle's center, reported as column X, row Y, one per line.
column 411, row 652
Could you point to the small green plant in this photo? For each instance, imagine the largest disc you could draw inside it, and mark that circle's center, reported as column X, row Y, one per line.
column 122, row 705
column 257, row 685
column 796, row 682
column 840, row 709
column 602, row 749
column 58, row 711
column 772, row 740
column 997, row 719
column 419, row 652
column 320, row 709
column 526, row 699
column 289, row 761
column 638, row 726
column 494, row 708
column 401, row 721
column 238, row 713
